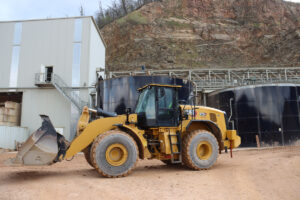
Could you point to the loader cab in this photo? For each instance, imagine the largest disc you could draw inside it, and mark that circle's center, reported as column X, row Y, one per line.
column 157, row 106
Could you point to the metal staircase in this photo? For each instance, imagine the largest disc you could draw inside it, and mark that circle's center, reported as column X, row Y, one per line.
column 68, row 93
column 63, row 88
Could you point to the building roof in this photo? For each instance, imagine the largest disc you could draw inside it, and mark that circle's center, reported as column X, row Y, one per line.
column 62, row 18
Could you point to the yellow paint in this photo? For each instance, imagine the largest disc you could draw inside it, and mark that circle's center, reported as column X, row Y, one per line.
column 204, row 150
column 116, row 154
column 102, row 125
column 163, row 137
column 231, row 134
column 139, row 133
column 203, row 113
column 83, row 120
column 133, row 118
column 91, row 131
column 233, row 137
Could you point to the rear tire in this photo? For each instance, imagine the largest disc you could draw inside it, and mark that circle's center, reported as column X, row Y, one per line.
column 200, row 150
column 114, row 154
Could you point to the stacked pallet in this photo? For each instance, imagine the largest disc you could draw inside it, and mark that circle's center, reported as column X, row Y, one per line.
column 10, row 114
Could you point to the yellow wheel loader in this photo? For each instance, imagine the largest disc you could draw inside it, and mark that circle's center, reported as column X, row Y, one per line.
column 162, row 127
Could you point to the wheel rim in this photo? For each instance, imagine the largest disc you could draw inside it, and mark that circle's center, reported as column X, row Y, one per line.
column 204, row 150
column 116, row 154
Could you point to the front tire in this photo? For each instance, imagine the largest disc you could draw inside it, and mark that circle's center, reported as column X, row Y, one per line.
column 114, row 154
column 87, row 156
column 200, row 150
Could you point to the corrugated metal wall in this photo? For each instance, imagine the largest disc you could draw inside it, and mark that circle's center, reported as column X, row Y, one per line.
column 10, row 135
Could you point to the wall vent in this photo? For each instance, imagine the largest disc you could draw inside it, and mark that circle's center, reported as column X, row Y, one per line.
column 213, row 117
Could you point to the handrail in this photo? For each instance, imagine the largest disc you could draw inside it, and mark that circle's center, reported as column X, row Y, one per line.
column 63, row 88
column 219, row 78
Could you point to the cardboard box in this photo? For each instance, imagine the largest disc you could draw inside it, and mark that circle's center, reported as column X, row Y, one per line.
column 12, row 119
column 8, row 124
column 2, row 110
column 3, row 118
column 3, row 123
column 12, row 111
column 10, row 104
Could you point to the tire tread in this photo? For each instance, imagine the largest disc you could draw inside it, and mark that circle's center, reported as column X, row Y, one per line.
column 87, row 156
column 97, row 142
column 186, row 157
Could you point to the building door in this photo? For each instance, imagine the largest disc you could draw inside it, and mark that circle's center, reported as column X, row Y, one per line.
column 48, row 76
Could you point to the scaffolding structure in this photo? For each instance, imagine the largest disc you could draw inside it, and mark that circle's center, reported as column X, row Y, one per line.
column 207, row 80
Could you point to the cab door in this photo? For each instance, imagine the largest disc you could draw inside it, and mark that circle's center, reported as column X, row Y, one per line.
column 167, row 107
column 146, row 108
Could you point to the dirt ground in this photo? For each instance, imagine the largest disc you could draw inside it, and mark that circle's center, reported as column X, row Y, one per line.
column 250, row 174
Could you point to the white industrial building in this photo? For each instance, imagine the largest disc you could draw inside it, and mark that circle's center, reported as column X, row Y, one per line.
column 50, row 66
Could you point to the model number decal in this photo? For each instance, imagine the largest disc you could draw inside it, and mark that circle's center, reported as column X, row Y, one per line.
column 202, row 114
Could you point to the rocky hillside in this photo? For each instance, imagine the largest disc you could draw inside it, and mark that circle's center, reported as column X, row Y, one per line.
column 176, row 34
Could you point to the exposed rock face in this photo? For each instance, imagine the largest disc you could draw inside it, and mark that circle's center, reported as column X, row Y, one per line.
column 177, row 34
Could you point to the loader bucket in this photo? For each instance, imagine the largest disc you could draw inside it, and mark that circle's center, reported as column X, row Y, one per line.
column 41, row 147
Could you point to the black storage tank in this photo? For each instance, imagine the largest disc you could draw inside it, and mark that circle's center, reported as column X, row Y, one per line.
column 116, row 94
column 269, row 111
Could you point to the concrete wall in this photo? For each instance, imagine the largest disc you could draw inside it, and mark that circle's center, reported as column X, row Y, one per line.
column 49, row 102
column 50, row 44
column 10, row 135
column 97, row 47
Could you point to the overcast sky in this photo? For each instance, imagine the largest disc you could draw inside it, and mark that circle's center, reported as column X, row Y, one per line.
column 33, row 9
column 36, row 9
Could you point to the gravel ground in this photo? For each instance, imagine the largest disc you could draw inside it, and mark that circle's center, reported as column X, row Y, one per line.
column 250, row 174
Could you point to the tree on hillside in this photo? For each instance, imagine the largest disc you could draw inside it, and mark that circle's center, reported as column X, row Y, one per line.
column 81, row 10
column 118, row 9
column 124, row 6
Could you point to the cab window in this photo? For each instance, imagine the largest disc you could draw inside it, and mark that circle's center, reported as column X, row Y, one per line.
column 166, row 113
column 146, row 103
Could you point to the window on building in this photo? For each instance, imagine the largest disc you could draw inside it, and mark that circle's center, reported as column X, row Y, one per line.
column 17, row 33
column 76, row 65
column 14, row 68
column 76, row 52
column 78, row 30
